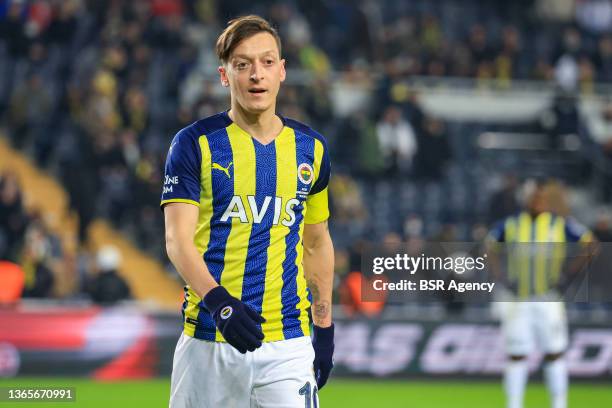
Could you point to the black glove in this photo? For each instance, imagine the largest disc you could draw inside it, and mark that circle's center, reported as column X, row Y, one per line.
column 238, row 323
column 323, row 344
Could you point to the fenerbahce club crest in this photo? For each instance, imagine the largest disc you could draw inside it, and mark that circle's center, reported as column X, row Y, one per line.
column 305, row 173
column 226, row 312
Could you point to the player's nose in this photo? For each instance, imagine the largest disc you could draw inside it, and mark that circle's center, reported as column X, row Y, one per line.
column 257, row 72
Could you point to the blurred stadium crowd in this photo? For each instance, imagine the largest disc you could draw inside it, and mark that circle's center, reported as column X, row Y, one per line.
column 95, row 89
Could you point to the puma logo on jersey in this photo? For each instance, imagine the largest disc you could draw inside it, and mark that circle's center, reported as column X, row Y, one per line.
column 217, row 166
column 237, row 208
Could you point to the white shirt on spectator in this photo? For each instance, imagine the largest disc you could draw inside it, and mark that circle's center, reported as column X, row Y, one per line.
column 594, row 15
column 397, row 137
column 566, row 72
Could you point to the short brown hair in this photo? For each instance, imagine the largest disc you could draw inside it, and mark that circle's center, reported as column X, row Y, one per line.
column 240, row 28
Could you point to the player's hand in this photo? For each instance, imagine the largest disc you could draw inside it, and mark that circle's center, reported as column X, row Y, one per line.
column 238, row 323
column 323, row 344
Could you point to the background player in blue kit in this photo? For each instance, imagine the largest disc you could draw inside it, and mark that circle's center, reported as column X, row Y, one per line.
column 246, row 208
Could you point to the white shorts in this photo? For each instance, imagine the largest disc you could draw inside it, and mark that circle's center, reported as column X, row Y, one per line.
column 527, row 324
column 207, row 374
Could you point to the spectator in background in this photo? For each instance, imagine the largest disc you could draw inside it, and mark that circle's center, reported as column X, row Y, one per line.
column 134, row 110
column 603, row 59
column 432, row 36
column 561, row 119
column 61, row 29
column 566, row 60
column 13, row 34
column 26, row 240
column 507, row 61
column 352, row 299
column 101, row 112
column 30, row 116
column 39, row 262
column 357, row 146
column 433, row 153
column 461, row 63
column 80, row 178
column 599, row 122
column 107, row 286
column 413, row 227
column 317, row 102
column 504, row 201
column 347, row 201
column 586, row 75
column 348, row 207
column 128, row 141
column 594, row 16
column 13, row 219
column 145, row 191
column 481, row 51
column 543, row 71
column 113, row 176
column 397, row 141
column 13, row 279
column 13, row 29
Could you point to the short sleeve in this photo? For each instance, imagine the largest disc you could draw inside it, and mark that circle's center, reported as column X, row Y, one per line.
column 576, row 232
column 182, row 170
column 497, row 233
column 323, row 178
column 318, row 202
column 317, row 207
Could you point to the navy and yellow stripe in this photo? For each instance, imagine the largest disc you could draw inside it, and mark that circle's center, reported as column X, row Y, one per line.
column 293, row 293
column 254, row 255
column 235, row 251
column 536, row 249
column 256, row 266
column 285, row 172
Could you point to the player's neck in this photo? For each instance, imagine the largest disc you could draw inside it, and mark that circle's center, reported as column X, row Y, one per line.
column 535, row 213
column 264, row 126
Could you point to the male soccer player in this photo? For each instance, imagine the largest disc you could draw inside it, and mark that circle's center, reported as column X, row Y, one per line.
column 535, row 241
column 246, row 207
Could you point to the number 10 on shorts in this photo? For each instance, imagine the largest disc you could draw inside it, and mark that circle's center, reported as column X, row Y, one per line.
column 310, row 400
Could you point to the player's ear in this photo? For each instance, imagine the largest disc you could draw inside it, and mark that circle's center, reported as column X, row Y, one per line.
column 283, row 72
column 223, row 76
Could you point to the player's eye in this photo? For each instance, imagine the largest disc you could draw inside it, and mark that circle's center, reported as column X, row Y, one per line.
column 241, row 65
column 269, row 61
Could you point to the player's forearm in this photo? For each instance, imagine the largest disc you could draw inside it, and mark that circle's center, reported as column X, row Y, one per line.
column 319, row 272
column 190, row 265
